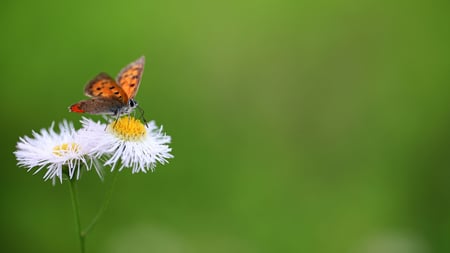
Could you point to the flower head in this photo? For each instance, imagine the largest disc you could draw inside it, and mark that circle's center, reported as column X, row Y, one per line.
column 56, row 152
column 129, row 142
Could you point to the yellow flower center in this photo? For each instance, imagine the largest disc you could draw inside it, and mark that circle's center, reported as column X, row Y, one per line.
column 65, row 148
column 128, row 128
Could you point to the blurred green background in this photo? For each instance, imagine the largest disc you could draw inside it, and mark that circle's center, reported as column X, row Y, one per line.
column 297, row 126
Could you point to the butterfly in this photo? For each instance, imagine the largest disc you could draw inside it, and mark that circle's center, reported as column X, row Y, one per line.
column 112, row 97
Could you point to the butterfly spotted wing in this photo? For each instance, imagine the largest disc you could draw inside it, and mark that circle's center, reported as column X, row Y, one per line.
column 109, row 97
column 129, row 78
column 104, row 86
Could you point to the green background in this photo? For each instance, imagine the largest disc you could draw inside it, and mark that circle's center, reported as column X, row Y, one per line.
column 297, row 126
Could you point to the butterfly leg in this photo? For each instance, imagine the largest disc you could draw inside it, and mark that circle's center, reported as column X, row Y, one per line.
column 142, row 115
column 117, row 114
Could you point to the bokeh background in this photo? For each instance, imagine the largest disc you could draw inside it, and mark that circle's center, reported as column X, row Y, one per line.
column 297, row 126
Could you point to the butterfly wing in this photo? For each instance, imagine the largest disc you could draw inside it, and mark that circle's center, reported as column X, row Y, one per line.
column 107, row 95
column 97, row 105
column 103, row 86
column 129, row 77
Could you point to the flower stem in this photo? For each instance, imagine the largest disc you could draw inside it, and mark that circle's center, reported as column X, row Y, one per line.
column 103, row 207
column 76, row 210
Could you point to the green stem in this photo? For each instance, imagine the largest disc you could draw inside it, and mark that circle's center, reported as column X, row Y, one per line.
column 103, row 207
column 76, row 210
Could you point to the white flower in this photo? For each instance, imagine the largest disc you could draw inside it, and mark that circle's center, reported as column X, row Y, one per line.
column 56, row 152
column 128, row 141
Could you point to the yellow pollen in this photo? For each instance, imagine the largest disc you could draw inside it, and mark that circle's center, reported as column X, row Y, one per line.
column 65, row 148
column 128, row 128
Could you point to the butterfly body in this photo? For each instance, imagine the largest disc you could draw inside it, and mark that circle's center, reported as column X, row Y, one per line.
column 112, row 97
column 104, row 106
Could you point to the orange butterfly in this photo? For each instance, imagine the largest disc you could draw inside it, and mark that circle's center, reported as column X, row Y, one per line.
column 112, row 97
